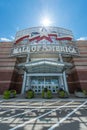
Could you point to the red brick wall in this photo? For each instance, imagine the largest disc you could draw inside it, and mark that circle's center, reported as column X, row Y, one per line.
column 78, row 75
column 9, row 78
column 16, row 82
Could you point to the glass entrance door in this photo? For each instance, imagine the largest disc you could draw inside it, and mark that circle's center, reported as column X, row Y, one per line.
column 39, row 83
column 52, row 83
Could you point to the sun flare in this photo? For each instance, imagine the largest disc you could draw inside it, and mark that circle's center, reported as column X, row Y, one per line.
column 46, row 22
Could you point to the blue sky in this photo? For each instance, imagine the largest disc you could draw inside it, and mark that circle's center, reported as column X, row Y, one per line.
column 20, row 14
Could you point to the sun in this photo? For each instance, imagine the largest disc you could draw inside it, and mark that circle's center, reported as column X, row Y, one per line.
column 46, row 22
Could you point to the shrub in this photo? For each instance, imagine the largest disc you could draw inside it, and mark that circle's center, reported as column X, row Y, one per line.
column 47, row 94
column 42, row 93
column 9, row 94
column 85, row 92
column 62, row 93
column 30, row 94
column 6, row 94
column 12, row 93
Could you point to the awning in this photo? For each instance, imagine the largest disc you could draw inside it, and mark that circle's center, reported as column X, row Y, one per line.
column 44, row 66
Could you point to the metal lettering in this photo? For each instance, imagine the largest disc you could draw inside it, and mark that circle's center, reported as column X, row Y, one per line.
column 38, row 48
column 57, row 48
column 44, row 48
column 73, row 50
column 49, row 48
column 33, row 48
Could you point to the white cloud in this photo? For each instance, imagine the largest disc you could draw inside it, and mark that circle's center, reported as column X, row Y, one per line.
column 4, row 39
column 12, row 37
column 82, row 38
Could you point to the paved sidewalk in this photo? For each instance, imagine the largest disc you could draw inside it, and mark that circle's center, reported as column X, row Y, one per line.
column 18, row 111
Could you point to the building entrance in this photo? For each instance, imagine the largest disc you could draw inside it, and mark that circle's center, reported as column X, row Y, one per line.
column 51, row 83
column 37, row 82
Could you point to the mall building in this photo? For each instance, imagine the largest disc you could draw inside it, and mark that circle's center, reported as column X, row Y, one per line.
column 43, row 57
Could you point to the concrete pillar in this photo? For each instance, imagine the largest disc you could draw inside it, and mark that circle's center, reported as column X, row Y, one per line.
column 65, row 82
column 27, row 86
column 27, row 59
column 44, row 81
column 24, row 83
column 61, row 60
column 25, row 77
column 61, row 81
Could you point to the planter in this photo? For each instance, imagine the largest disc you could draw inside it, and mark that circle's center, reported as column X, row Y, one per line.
column 29, row 94
column 80, row 94
column 6, row 94
column 62, row 93
column 12, row 93
column 47, row 94
column 9, row 94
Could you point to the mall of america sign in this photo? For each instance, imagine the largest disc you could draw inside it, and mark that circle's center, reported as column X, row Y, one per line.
column 25, row 49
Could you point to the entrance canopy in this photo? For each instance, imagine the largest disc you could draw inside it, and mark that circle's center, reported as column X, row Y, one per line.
column 44, row 66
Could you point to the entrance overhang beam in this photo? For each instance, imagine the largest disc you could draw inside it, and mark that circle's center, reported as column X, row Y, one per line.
column 45, row 69
column 45, row 74
column 44, row 63
column 45, row 66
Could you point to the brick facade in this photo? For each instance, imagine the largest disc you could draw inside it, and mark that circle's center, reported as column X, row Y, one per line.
column 78, row 74
column 11, row 79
